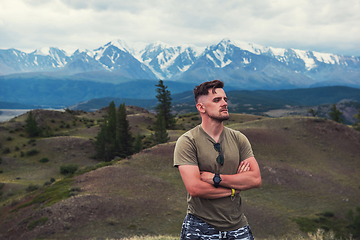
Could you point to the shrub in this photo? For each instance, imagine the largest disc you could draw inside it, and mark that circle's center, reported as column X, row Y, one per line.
column 32, row 187
column 32, row 152
column 9, row 138
column 70, row 168
column 44, row 160
column 6, row 150
column 0, row 160
column 40, row 221
column 328, row 214
column 52, row 179
column 74, row 191
column 47, row 183
column 1, row 171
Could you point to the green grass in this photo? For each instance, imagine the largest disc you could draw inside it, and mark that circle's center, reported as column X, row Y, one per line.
column 51, row 194
column 35, row 223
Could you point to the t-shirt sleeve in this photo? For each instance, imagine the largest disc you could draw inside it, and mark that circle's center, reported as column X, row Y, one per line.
column 244, row 147
column 185, row 151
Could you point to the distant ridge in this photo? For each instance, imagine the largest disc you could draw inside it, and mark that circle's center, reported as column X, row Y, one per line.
column 240, row 64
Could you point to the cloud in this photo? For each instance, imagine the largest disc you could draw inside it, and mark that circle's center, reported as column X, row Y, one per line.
column 319, row 25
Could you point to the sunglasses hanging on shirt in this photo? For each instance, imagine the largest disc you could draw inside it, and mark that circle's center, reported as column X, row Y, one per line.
column 220, row 159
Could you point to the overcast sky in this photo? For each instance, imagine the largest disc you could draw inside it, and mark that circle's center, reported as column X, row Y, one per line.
column 330, row 26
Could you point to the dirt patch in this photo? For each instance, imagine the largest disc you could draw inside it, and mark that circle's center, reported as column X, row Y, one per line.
column 265, row 136
column 335, row 134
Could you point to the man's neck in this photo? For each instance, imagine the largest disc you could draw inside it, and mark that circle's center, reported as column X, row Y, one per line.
column 213, row 129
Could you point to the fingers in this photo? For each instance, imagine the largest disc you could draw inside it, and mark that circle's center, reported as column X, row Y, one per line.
column 244, row 167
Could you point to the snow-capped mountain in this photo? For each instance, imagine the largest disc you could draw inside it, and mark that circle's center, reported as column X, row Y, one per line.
column 45, row 59
column 251, row 66
column 240, row 64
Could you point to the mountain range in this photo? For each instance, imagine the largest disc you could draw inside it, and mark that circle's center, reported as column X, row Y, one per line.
column 239, row 64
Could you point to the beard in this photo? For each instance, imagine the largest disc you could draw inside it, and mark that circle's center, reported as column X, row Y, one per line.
column 220, row 117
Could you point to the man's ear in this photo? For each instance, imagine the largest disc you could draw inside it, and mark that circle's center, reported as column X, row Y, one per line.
column 200, row 107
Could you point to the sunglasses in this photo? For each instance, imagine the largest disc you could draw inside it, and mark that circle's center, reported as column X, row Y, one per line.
column 220, row 158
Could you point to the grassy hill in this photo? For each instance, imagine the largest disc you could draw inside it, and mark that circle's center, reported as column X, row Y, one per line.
column 310, row 169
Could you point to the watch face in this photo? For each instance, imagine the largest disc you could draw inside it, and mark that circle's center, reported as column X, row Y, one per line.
column 217, row 179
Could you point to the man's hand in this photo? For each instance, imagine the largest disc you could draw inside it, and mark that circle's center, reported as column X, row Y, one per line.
column 244, row 166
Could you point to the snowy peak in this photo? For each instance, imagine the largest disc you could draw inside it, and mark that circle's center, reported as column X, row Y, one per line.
column 167, row 61
column 238, row 62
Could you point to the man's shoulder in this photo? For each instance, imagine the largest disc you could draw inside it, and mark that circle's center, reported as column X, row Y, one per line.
column 228, row 130
column 233, row 133
column 194, row 132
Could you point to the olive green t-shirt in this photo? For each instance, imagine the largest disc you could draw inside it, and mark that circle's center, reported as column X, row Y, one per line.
column 196, row 147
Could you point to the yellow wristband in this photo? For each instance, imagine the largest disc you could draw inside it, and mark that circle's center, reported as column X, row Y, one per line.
column 232, row 192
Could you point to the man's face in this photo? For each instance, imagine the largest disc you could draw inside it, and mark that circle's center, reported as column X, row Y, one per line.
column 215, row 105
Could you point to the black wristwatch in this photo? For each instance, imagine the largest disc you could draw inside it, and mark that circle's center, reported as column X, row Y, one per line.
column 217, row 179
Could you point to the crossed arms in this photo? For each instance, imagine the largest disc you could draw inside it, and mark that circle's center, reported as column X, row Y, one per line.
column 200, row 184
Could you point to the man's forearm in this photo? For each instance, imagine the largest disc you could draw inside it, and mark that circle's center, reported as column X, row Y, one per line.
column 248, row 176
column 208, row 191
column 241, row 181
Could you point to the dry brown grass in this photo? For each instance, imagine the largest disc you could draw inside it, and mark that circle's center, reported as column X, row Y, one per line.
column 144, row 195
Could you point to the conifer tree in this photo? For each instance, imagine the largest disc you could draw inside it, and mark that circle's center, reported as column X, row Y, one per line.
column 164, row 106
column 111, row 128
column 124, row 137
column 357, row 124
column 31, row 126
column 335, row 114
column 160, row 135
column 138, row 145
column 102, row 144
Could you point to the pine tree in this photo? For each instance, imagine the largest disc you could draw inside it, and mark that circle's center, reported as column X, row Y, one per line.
column 335, row 114
column 114, row 138
column 357, row 124
column 138, row 145
column 111, row 129
column 312, row 112
column 164, row 106
column 124, row 137
column 31, row 126
column 102, row 144
column 160, row 135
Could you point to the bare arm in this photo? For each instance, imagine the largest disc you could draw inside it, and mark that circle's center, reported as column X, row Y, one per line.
column 242, row 180
column 198, row 188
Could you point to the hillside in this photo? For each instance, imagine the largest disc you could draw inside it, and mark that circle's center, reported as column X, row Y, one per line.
column 309, row 166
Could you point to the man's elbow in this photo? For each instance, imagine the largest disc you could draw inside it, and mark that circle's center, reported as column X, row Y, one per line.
column 193, row 192
column 257, row 182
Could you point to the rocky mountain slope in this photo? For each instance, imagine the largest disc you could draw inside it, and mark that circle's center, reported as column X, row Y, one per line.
column 239, row 64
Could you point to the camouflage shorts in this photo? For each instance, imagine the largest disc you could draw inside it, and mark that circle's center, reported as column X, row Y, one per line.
column 194, row 228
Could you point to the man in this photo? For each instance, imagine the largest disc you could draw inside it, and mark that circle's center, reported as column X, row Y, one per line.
column 215, row 163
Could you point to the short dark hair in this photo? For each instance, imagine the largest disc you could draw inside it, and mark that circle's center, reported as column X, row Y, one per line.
column 203, row 89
